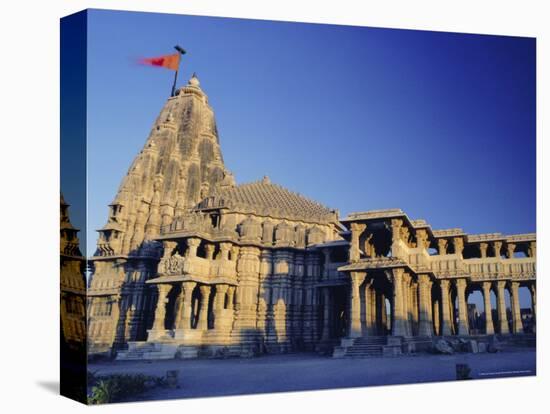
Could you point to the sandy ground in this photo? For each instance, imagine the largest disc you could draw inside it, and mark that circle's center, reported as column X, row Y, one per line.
column 300, row 372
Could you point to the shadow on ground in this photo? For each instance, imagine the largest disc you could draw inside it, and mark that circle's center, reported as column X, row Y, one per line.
column 51, row 386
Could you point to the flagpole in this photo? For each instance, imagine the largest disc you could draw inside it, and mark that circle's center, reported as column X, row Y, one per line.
column 174, row 84
column 181, row 52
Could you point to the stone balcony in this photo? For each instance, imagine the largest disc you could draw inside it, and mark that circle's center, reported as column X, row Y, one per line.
column 198, row 268
column 446, row 266
column 488, row 268
column 518, row 268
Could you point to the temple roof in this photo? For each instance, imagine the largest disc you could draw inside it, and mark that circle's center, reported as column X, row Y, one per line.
column 265, row 198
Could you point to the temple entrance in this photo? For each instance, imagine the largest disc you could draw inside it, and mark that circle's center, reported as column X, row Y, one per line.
column 333, row 313
column 376, row 312
column 340, row 311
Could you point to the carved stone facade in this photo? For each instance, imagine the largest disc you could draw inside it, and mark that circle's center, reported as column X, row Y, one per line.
column 73, row 282
column 428, row 275
column 189, row 263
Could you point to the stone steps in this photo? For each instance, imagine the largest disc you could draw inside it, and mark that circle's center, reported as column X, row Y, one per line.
column 147, row 350
column 362, row 347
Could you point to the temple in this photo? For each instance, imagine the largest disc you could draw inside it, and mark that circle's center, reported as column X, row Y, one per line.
column 191, row 264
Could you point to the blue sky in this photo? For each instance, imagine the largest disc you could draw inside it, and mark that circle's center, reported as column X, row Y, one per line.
column 441, row 125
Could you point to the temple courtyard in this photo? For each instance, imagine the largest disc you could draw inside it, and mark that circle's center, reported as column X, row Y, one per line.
column 302, row 372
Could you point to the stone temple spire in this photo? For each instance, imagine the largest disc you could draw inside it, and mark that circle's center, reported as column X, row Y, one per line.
column 180, row 157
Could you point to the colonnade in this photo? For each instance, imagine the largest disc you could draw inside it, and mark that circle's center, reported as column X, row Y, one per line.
column 423, row 306
column 192, row 308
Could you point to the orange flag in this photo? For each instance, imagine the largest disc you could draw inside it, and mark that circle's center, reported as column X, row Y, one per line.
column 166, row 61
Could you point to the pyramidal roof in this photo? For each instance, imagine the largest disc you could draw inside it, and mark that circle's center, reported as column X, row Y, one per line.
column 267, row 199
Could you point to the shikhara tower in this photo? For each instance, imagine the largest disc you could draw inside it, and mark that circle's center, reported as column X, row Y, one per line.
column 179, row 163
column 191, row 264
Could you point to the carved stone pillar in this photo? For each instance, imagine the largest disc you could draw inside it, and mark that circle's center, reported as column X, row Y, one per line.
column 431, row 306
column 158, row 329
column 220, row 321
column 383, row 315
column 445, row 308
column 510, row 249
column 230, row 297
column 248, row 273
column 169, row 247
column 489, row 327
column 225, row 248
column 192, row 246
column 442, row 246
column 462, row 307
column 202, row 325
column 533, row 291
column 517, row 326
column 424, row 305
column 209, row 247
column 458, row 243
column 497, row 245
column 363, row 292
column 422, row 239
column 379, row 317
column 372, row 310
column 325, row 335
column 414, row 307
column 532, row 251
column 356, row 230
column 398, row 323
column 355, row 315
column 483, row 249
column 366, row 308
column 230, row 305
column 407, row 316
column 282, row 270
column 396, row 225
column 437, row 317
column 183, row 316
column 452, row 310
column 501, row 308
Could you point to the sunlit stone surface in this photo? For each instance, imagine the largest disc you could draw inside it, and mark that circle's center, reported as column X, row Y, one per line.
column 190, row 264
